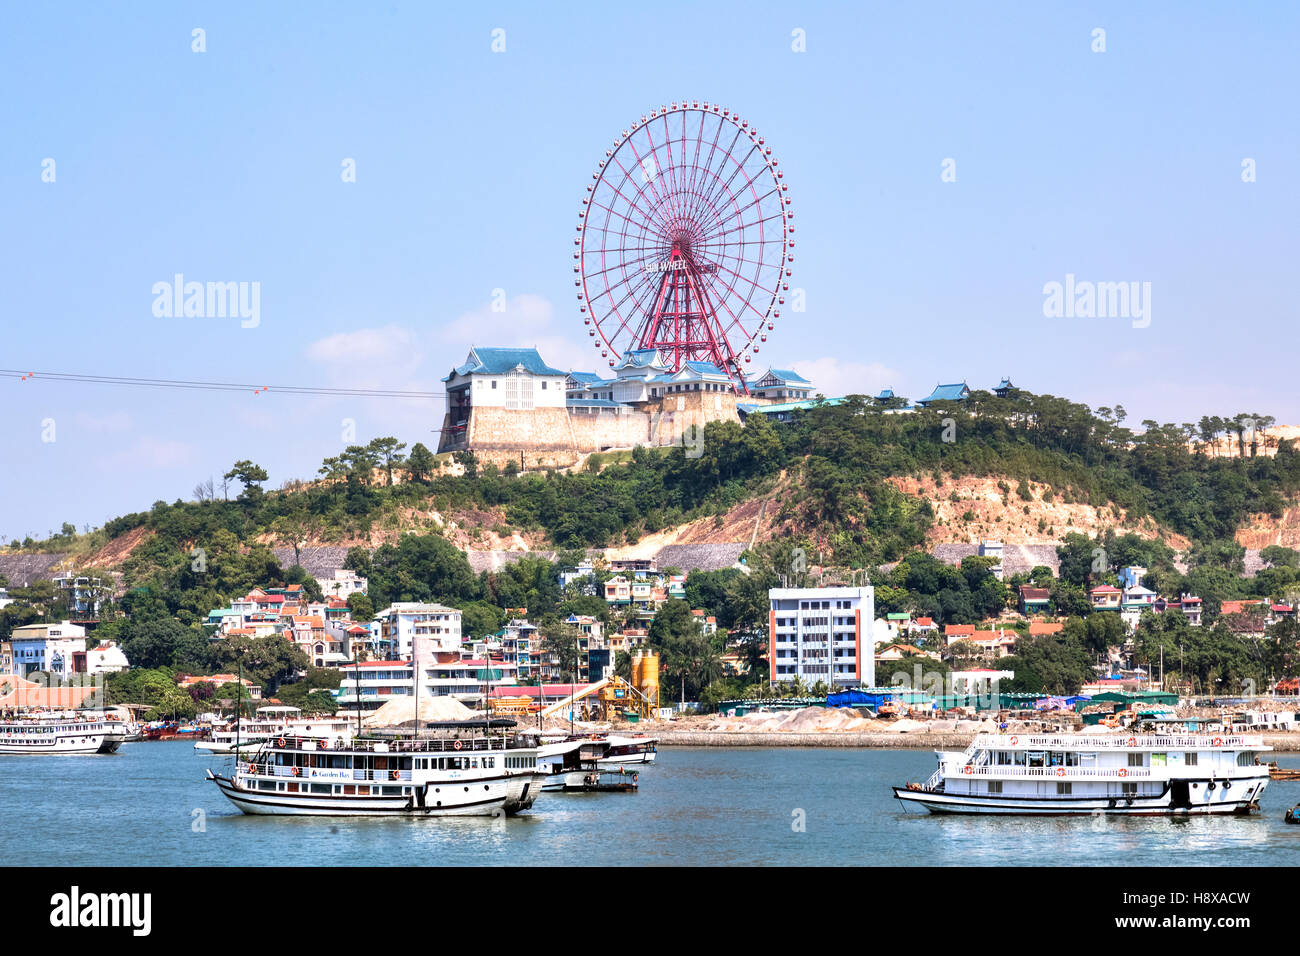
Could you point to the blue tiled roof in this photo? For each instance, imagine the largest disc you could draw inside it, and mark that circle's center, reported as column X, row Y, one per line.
column 494, row 361
column 585, row 376
column 704, row 368
column 641, row 358
column 1005, row 383
column 795, row 406
column 783, row 374
column 947, row 393
column 885, row 393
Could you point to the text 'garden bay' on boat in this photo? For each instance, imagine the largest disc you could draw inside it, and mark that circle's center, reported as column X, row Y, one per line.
column 1065, row 774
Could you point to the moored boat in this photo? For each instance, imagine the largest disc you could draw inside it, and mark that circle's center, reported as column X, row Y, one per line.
column 628, row 750
column 60, row 735
column 1064, row 774
column 574, row 766
column 271, row 722
column 461, row 768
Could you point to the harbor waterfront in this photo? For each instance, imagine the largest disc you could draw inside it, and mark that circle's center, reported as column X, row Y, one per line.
column 717, row 806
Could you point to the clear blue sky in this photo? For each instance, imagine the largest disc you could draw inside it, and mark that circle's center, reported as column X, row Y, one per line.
column 225, row 166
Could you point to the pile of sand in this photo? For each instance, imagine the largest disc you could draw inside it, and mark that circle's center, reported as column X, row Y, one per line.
column 835, row 720
column 402, row 711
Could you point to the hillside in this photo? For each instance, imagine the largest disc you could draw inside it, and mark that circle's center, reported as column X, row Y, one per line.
column 860, row 487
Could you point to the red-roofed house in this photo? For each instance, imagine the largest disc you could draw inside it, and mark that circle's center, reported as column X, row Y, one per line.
column 1041, row 628
column 1105, row 598
column 958, row 632
column 1034, row 600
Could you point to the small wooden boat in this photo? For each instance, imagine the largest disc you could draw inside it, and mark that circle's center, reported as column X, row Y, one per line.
column 1282, row 773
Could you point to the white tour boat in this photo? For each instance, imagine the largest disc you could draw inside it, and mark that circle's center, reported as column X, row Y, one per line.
column 628, row 750
column 271, row 722
column 461, row 768
column 61, row 735
column 1065, row 774
column 574, row 766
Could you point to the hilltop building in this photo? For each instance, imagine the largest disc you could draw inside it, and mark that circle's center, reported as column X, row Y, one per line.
column 508, row 405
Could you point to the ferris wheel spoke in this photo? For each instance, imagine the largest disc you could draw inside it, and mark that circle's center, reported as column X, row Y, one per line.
column 747, row 228
column 647, row 213
column 632, row 293
column 721, row 186
column 663, row 198
column 731, row 210
column 695, row 161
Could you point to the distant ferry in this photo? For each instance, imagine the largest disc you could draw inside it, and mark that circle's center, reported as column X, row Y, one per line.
column 1066, row 774
column 615, row 750
column 61, row 735
column 271, row 722
column 579, row 765
column 461, row 768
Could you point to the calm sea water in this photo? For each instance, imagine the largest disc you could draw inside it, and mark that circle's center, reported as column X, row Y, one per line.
column 699, row 806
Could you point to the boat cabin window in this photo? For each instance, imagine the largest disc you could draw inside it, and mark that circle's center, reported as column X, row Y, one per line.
column 1018, row 758
column 1137, row 760
column 1087, row 760
column 1245, row 759
column 1190, row 759
column 1003, row 758
column 1037, row 758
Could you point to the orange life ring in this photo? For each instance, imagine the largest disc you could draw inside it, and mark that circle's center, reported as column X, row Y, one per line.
column 636, row 777
column 280, row 742
column 252, row 768
column 1132, row 741
column 1218, row 741
column 324, row 744
column 968, row 770
column 297, row 771
column 1123, row 772
column 456, row 745
column 1014, row 741
column 394, row 775
column 1060, row 771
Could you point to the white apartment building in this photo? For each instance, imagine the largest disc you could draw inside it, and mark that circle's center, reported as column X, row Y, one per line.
column 822, row 634
column 343, row 584
column 438, row 627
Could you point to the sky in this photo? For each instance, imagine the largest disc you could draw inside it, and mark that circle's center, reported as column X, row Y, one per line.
column 947, row 163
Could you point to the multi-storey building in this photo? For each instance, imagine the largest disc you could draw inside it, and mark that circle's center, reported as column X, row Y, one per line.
column 402, row 621
column 822, row 634
column 48, row 647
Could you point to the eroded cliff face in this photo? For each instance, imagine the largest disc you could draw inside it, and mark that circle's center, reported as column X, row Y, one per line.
column 997, row 511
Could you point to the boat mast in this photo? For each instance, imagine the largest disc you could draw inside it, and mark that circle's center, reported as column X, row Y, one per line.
column 239, row 688
column 415, row 676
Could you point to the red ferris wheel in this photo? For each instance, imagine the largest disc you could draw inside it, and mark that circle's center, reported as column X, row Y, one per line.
column 685, row 240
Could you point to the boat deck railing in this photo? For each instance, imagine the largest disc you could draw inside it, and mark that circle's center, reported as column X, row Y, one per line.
column 1056, row 773
column 1114, row 742
column 325, row 775
column 420, row 745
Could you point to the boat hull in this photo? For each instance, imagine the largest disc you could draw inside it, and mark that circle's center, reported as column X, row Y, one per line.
column 938, row 802
column 491, row 797
column 87, row 744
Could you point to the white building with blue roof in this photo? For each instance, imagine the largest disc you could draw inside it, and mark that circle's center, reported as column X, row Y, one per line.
column 781, row 385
